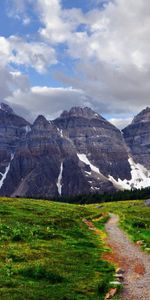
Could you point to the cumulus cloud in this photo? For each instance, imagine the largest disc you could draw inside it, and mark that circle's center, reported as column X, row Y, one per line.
column 117, row 34
column 31, row 54
column 19, row 10
column 108, row 45
column 47, row 101
column 112, row 49
column 11, row 81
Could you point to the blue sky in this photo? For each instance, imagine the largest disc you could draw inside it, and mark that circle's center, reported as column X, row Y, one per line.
column 11, row 24
column 61, row 53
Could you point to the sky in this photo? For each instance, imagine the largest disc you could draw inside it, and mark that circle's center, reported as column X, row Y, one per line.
column 55, row 54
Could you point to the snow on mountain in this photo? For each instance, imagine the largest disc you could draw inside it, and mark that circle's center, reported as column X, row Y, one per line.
column 79, row 152
column 140, row 177
column 4, row 175
column 86, row 161
column 59, row 181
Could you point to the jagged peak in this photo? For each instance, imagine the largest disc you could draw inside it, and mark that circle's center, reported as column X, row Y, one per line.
column 40, row 121
column 143, row 116
column 77, row 111
column 6, row 108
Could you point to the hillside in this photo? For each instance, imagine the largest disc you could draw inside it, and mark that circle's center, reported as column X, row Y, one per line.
column 47, row 251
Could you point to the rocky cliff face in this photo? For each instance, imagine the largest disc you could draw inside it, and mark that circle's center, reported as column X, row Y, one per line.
column 45, row 165
column 79, row 152
column 96, row 138
column 137, row 137
column 12, row 129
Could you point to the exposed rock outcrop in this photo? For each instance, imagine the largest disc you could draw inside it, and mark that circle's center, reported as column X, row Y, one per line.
column 78, row 153
column 137, row 137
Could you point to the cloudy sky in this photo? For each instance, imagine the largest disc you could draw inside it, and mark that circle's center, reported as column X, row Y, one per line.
column 55, row 54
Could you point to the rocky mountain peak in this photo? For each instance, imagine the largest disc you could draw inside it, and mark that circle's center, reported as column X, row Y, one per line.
column 137, row 138
column 79, row 152
column 143, row 116
column 40, row 122
column 6, row 108
column 77, row 111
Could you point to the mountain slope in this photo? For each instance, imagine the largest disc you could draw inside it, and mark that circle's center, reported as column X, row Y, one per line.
column 13, row 128
column 97, row 143
column 41, row 165
column 137, row 137
column 78, row 153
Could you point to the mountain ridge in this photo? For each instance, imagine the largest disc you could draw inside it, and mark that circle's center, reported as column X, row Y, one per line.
column 79, row 152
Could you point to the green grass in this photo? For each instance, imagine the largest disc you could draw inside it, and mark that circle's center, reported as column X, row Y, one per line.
column 47, row 252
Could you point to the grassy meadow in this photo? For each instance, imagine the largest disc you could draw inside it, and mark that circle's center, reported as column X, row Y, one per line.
column 47, row 252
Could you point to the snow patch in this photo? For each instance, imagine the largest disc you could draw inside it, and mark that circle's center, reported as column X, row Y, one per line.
column 140, row 177
column 4, row 175
column 27, row 129
column 86, row 161
column 89, row 173
column 95, row 188
column 96, row 115
column 59, row 181
column 60, row 131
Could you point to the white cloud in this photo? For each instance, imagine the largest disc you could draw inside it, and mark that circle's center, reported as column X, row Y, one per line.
column 117, row 35
column 26, row 21
column 10, row 81
column 47, row 101
column 121, row 123
column 111, row 46
column 113, row 56
column 58, row 24
column 32, row 54
column 19, row 10
column 54, row 28
column 37, row 55
column 4, row 51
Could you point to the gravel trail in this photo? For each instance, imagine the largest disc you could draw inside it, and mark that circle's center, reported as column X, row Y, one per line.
column 129, row 257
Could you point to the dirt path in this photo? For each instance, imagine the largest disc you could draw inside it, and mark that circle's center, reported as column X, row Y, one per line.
column 135, row 263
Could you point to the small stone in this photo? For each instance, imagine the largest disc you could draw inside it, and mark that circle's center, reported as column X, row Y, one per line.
column 115, row 283
column 120, row 271
column 147, row 202
column 139, row 243
column 112, row 292
column 99, row 206
column 119, row 276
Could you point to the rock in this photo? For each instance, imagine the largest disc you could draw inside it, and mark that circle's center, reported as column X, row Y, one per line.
column 119, row 276
column 6, row 108
column 112, row 292
column 139, row 243
column 120, row 271
column 100, row 142
column 147, row 202
column 78, row 153
column 115, row 283
column 137, row 137
column 97, row 138
column 12, row 130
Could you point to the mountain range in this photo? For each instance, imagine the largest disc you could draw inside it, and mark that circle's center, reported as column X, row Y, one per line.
column 78, row 153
